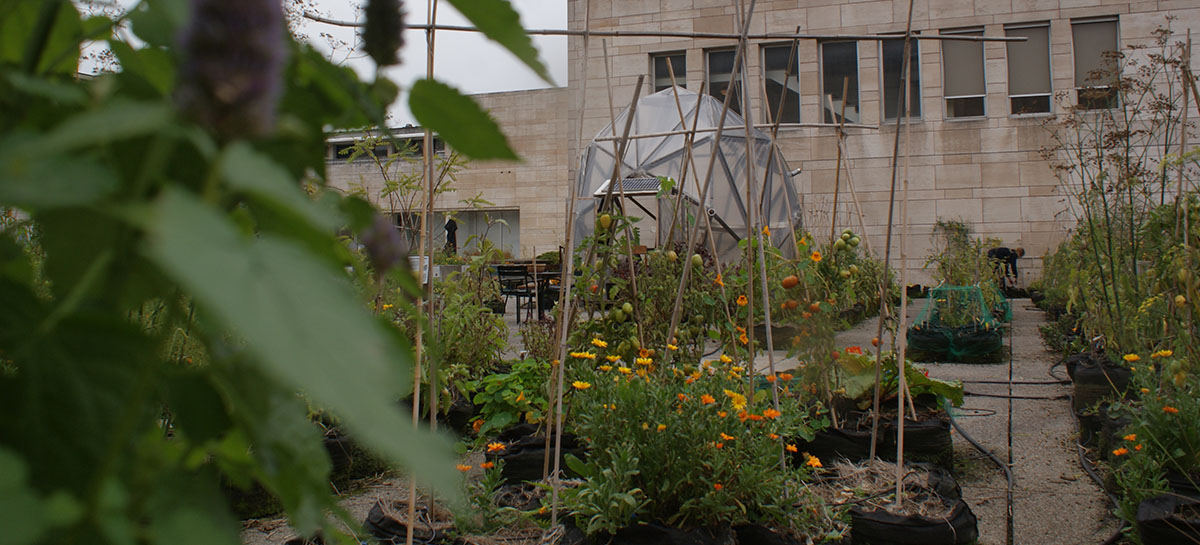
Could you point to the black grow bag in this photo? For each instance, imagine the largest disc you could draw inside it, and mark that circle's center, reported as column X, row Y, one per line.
column 1096, row 381
column 652, row 534
column 391, row 530
column 928, row 440
column 1168, row 520
column 525, row 453
column 878, row 527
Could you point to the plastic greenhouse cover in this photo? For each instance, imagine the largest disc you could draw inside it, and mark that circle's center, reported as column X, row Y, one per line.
column 664, row 156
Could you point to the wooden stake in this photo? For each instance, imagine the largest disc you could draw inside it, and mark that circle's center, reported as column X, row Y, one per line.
column 837, row 173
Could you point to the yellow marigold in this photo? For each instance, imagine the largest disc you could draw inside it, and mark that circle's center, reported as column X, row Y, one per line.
column 1162, row 354
column 661, row 427
column 736, row 369
column 643, row 361
column 496, row 447
column 387, row 306
column 599, row 343
column 583, row 355
column 772, row 414
column 520, row 397
column 605, row 368
column 738, row 400
column 1130, row 437
column 726, row 359
column 727, row 437
column 624, row 370
column 612, row 358
column 672, row 347
column 645, row 425
column 813, row 461
column 1170, row 410
column 707, row 399
column 462, row 467
column 581, row 385
column 1132, row 357
column 744, row 339
column 742, row 301
column 1121, row 451
column 816, row 256
column 487, row 465
column 791, row 448
column 641, row 372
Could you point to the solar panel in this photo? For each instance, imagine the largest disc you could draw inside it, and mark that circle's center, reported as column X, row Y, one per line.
column 632, row 186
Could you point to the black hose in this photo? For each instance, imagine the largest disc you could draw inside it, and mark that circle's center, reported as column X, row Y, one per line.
column 1003, row 396
column 1012, row 481
column 1035, row 382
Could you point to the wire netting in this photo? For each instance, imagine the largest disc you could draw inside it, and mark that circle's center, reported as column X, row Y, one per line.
column 956, row 325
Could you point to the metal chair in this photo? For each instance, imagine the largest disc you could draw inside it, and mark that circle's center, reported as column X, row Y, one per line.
column 516, row 282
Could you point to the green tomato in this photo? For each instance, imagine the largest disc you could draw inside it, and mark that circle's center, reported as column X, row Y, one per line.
column 628, row 308
column 853, row 242
column 840, row 244
column 844, row 273
column 846, row 235
column 853, row 269
column 697, row 261
column 672, row 256
column 617, row 315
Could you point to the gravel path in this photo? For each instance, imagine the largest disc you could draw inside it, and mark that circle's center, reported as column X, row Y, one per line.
column 1054, row 500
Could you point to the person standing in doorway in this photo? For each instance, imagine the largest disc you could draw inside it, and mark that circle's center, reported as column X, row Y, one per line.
column 1005, row 262
column 451, row 236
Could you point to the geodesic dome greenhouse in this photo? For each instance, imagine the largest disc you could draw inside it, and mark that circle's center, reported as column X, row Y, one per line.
column 657, row 149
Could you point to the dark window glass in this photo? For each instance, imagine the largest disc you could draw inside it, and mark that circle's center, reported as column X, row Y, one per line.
column 721, row 79
column 839, row 65
column 662, row 77
column 783, row 84
column 893, row 72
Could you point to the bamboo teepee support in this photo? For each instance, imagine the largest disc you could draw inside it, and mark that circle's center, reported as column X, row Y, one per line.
column 837, row 173
column 862, row 225
column 424, row 257
column 901, row 355
column 887, row 252
column 694, row 228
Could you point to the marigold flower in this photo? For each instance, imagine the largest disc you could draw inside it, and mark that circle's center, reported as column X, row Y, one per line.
column 719, row 445
column 791, row 448
column 772, row 414
column 496, row 447
column 583, row 355
column 1130, row 437
column 727, row 437
column 736, row 369
column 722, row 414
column 816, row 256
column 854, row 350
column 726, row 359
column 738, row 400
column 806, row 315
column 766, row 230
column 1131, row 357
column 520, row 397
column 599, row 343
column 612, row 358
column 770, row 378
column 1120, row 452
column 1137, row 446
column 643, row 361
column 1162, row 354
column 742, row 301
column 643, row 353
column 755, row 417
column 1145, row 390
column 462, row 467
column 718, row 486
column 581, row 385
column 743, row 415
column 661, row 427
column 641, row 372
column 773, row 436
column 672, row 347
column 718, row 281
column 624, row 370
column 786, row 376
column 813, row 461
column 387, row 306
column 681, row 397
column 707, row 399
column 1169, row 409
column 487, row 465
column 605, row 368
column 744, row 339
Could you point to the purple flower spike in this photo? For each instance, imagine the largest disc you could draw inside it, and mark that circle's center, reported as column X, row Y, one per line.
column 233, row 55
column 384, row 245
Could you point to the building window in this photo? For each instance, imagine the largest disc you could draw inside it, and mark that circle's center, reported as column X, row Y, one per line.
column 664, row 64
column 892, row 52
column 721, row 79
column 839, row 70
column 1029, row 68
column 1095, row 48
column 963, row 84
column 782, row 83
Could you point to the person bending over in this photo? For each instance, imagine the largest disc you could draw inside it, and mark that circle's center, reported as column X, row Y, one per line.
column 1005, row 261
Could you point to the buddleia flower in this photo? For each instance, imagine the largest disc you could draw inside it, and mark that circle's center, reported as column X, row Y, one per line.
column 383, row 34
column 384, row 246
column 233, row 54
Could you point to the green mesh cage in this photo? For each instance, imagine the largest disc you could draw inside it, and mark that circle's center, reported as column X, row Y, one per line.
column 956, row 325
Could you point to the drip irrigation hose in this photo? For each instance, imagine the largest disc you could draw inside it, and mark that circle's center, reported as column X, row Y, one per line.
column 1033, row 382
column 1003, row 396
column 1010, row 530
column 1012, row 481
column 1091, row 472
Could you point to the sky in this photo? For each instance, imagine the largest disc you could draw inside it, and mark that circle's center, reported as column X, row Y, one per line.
column 467, row 61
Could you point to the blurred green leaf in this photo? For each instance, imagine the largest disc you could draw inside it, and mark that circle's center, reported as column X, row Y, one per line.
column 458, row 120
column 301, row 323
column 151, row 64
column 158, row 22
column 499, row 21
column 264, row 180
column 113, row 121
column 34, row 182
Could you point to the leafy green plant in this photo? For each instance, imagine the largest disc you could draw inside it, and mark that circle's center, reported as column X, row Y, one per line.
column 508, row 398
column 169, row 197
column 856, row 378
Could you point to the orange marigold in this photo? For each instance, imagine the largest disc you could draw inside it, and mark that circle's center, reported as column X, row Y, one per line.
column 718, row 486
column 1170, row 410
column 706, row 399
column 772, row 414
column 496, row 447
column 742, row 301
column 462, row 467
column 487, row 465
column 1121, row 451
column 791, row 448
column 785, row 376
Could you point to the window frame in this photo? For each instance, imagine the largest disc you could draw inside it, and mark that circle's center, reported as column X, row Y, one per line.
column 735, row 104
column 916, row 70
column 821, row 81
column 768, row 111
column 1049, row 94
column 680, row 79
column 1114, row 100
column 972, row 31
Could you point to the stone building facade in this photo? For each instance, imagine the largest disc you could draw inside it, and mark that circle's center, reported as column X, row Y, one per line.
column 980, row 118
